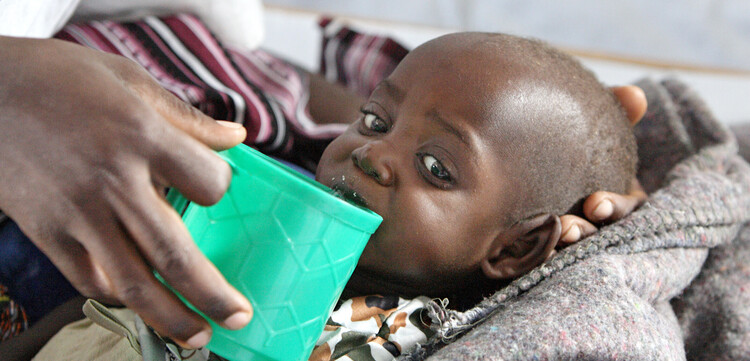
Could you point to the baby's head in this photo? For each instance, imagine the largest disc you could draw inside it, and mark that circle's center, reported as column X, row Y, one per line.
column 471, row 150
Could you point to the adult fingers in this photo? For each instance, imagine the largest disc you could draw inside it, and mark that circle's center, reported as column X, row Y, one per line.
column 182, row 162
column 574, row 229
column 134, row 285
column 633, row 100
column 607, row 206
column 164, row 241
column 217, row 135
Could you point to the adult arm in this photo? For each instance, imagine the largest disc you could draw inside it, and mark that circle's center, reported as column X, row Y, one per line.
column 332, row 102
column 88, row 142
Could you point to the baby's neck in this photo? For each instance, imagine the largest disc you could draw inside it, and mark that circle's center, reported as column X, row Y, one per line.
column 365, row 283
column 476, row 287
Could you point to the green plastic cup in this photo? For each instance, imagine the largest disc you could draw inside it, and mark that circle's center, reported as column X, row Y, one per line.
column 286, row 243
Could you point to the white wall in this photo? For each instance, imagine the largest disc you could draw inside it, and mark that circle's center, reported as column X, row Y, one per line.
column 705, row 32
column 295, row 35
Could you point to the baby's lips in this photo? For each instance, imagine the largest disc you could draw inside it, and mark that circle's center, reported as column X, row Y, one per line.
column 343, row 190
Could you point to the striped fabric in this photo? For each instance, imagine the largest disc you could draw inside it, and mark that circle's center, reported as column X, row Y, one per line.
column 359, row 61
column 266, row 94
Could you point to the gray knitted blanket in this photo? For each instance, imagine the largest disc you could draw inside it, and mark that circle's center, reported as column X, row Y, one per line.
column 669, row 282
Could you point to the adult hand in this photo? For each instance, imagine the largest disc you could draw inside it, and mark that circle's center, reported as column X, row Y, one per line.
column 88, row 141
column 607, row 206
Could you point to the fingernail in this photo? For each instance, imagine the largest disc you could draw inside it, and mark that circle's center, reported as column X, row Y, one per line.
column 200, row 339
column 227, row 124
column 238, row 320
column 604, row 209
column 572, row 234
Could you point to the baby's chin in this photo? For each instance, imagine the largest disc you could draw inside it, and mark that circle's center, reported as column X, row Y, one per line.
column 462, row 293
column 368, row 280
column 365, row 282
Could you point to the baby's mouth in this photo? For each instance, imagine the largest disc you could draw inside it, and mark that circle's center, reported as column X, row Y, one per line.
column 342, row 190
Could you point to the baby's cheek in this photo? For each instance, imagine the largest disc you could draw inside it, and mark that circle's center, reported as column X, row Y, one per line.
column 444, row 238
column 429, row 244
column 339, row 149
column 419, row 239
column 397, row 251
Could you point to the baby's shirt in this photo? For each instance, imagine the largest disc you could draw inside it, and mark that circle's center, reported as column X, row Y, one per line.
column 373, row 328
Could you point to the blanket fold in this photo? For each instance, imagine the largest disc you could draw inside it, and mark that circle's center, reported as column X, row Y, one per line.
column 608, row 297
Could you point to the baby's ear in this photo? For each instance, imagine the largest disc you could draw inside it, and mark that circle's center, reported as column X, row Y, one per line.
column 522, row 247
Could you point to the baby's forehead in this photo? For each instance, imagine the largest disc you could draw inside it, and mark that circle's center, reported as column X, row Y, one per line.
column 501, row 52
column 476, row 77
column 498, row 58
column 507, row 88
column 486, row 65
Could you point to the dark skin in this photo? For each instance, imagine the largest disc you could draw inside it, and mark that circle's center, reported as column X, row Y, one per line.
column 87, row 143
column 426, row 146
column 600, row 207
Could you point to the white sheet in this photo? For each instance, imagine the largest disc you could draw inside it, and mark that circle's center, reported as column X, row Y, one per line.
column 34, row 18
column 235, row 22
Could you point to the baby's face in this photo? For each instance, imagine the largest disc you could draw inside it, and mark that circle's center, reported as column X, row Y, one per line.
column 424, row 155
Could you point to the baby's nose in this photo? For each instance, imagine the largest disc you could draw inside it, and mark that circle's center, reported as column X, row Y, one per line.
column 373, row 161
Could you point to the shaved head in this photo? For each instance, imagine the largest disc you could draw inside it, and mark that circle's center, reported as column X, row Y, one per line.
column 562, row 133
column 470, row 142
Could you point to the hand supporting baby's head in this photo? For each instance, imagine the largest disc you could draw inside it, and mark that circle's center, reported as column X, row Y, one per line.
column 471, row 150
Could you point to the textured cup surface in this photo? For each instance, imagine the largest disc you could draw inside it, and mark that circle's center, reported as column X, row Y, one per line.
column 287, row 244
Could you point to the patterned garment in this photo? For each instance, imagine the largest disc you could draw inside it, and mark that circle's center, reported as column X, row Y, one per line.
column 373, row 328
column 357, row 60
column 12, row 316
column 264, row 93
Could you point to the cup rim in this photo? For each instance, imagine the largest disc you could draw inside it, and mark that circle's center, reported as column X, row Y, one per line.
column 246, row 161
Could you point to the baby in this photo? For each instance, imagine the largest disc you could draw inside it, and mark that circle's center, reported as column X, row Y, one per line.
column 471, row 150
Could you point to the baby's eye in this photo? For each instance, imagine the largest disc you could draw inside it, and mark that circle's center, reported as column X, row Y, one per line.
column 436, row 168
column 374, row 123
